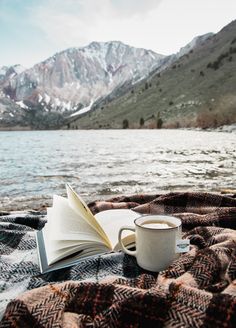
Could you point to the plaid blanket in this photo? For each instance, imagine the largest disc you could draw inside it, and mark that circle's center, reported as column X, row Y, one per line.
column 111, row 290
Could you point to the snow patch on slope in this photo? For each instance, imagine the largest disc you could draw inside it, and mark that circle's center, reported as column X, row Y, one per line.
column 83, row 110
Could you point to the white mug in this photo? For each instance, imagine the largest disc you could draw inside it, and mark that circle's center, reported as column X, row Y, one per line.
column 158, row 241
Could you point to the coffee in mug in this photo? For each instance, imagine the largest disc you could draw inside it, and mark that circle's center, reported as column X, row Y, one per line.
column 157, row 224
column 158, row 241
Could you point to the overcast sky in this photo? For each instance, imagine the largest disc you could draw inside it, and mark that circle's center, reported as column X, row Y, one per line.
column 33, row 30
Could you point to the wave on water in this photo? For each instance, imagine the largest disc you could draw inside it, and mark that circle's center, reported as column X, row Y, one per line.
column 56, row 176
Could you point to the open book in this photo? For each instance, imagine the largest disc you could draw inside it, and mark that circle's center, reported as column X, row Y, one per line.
column 72, row 232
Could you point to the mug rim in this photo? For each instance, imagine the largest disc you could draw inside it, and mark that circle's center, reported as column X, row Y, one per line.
column 157, row 215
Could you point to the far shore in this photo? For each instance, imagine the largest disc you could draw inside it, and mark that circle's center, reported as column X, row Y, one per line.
column 16, row 128
column 224, row 128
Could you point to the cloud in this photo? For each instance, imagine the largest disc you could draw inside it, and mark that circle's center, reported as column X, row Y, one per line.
column 134, row 7
column 78, row 22
column 161, row 25
column 33, row 30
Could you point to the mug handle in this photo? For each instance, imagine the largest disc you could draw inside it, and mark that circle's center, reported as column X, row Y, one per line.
column 125, row 250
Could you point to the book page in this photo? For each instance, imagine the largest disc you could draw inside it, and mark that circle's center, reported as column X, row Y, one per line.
column 112, row 220
column 64, row 262
column 67, row 232
column 80, row 207
column 55, row 253
column 65, row 224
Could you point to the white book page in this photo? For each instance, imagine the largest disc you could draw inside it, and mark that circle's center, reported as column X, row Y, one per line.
column 55, row 254
column 79, row 256
column 80, row 207
column 66, row 232
column 113, row 220
column 65, row 224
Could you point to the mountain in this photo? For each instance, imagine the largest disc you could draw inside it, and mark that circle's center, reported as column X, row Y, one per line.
column 76, row 77
column 11, row 113
column 8, row 72
column 198, row 89
column 164, row 63
column 113, row 85
column 197, row 41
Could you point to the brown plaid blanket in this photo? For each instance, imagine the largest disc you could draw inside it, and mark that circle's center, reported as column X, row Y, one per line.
column 197, row 290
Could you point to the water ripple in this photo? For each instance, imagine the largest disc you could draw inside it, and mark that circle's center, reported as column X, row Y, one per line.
column 36, row 164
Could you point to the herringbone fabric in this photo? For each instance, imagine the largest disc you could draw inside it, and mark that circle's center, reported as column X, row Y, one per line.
column 197, row 290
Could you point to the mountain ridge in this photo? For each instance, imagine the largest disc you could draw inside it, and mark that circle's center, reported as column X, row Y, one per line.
column 166, row 61
column 104, row 84
column 195, row 90
column 95, row 69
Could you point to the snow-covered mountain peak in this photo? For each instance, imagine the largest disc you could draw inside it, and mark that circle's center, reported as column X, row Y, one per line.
column 76, row 76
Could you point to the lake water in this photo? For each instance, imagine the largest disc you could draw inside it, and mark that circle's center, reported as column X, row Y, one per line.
column 34, row 165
